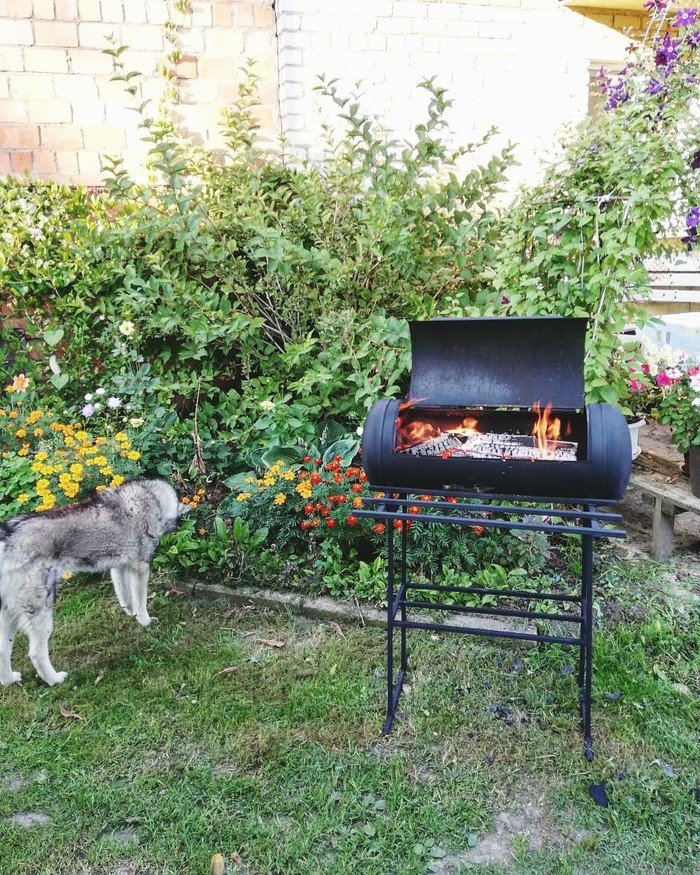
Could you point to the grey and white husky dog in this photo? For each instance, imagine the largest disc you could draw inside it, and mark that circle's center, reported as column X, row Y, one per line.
column 115, row 530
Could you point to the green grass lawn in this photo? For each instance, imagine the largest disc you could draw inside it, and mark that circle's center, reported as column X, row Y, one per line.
column 257, row 736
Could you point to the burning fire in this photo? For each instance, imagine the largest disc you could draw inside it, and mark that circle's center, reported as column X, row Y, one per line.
column 547, row 430
column 414, row 430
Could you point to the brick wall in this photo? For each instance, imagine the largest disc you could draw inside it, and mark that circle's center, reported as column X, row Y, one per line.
column 59, row 111
column 522, row 65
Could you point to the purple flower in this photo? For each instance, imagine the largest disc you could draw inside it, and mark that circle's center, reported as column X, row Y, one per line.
column 667, row 52
column 654, row 86
column 113, row 402
column 656, row 5
column 686, row 17
column 692, row 220
column 88, row 410
column 695, row 163
column 617, row 95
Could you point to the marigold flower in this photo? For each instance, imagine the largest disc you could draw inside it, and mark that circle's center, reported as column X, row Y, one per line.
column 357, row 503
column 379, row 528
column 120, row 436
column 315, row 479
column 23, row 497
column 351, row 520
column 127, row 328
column 23, row 450
column 117, row 480
column 243, row 496
column 134, row 455
column 280, row 498
column 331, row 523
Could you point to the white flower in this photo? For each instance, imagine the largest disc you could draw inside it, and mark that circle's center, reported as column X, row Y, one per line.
column 696, row 401
column 88, row 397
column 267, row 405
column 127, row 328
column 136, row 422
column 359, row 430
column 113, row 402
column 97, row 406
column 99, row 391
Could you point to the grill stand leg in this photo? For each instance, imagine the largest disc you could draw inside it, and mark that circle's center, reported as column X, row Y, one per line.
column 394, row 687
column 585, row 668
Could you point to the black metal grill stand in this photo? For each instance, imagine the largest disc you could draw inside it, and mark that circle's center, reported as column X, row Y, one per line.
column 565, row 516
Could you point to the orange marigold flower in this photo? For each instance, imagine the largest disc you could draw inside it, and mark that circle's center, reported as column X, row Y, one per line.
column 379, row 528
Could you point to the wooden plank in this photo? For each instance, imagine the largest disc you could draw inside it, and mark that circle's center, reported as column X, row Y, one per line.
column 676, row 494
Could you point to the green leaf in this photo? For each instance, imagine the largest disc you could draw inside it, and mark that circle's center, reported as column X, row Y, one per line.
column 289, row 455
column 53, row 337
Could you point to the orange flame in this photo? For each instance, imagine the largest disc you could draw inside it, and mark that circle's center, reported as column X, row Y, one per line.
column 546, row 430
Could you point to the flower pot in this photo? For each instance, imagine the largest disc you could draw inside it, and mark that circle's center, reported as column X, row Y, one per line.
column 694, row 465
column 635, row 427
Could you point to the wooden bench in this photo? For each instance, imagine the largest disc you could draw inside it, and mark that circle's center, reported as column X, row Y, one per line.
column 669, row 499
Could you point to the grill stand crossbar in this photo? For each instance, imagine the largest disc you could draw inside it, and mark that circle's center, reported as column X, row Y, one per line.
column 575, row 518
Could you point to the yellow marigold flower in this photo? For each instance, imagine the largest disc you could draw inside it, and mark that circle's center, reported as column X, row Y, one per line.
column 2, row 412
column 280, row 498
column 82, row 435
column 38, row 432
column 201, row 492
column 243, row 496
column 13, row 414
column 48, row 501
column 42, row 484
column 21, row 432
column 67, row 575
column 288, row 475
column 117, row 480
column 69, row 441
column 304, row 489
column 100, row 487
column 76, row 469
column 106, row 471
column 120, row 436
column 100, row 440
column 100, row 460
column 34, row 416
column 250, row 480
column 134, row 455
column 23, row 450
column 357, row 502
column 41, row 457
column 5, row 454
column 37, row 467
column 22, row 497
column 125, row 445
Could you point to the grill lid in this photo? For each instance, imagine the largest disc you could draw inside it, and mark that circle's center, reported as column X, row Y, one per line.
column 505, row 362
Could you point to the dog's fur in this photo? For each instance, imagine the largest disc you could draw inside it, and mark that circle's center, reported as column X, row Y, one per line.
column 116, row 530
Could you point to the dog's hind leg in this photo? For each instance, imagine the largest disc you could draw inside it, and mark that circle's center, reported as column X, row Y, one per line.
column 38, row 626
column 7, row 636
column 138, row 574
column 122, row 589
column 39, row 631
